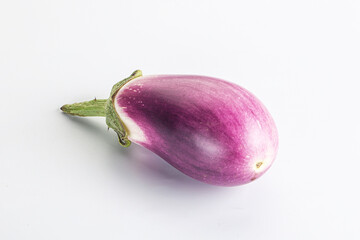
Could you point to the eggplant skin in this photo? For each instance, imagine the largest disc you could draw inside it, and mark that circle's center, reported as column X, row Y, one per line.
column 209, row 129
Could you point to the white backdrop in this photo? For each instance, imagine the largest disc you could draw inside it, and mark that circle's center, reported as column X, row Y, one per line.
column 68, row 178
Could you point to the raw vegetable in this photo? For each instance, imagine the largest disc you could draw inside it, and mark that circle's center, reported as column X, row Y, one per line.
column 212, row 130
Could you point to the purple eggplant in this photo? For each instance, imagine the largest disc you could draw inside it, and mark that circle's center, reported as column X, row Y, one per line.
column 212, row 130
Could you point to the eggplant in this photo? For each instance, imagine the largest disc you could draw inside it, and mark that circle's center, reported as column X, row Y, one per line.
column 211, row 130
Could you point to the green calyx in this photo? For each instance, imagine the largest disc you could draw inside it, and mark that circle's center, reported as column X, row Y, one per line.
column 112, row 118
column 104, row 108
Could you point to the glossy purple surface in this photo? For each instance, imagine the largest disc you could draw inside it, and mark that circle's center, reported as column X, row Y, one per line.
column 212, row 130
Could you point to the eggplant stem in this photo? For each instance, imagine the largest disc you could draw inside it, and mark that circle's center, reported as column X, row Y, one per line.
column 104, row 108
column 93, row 108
